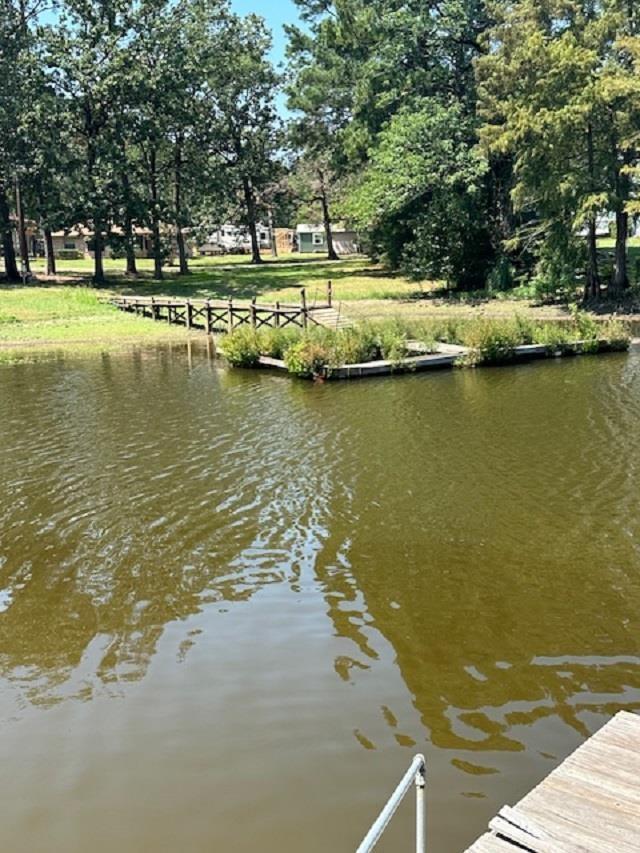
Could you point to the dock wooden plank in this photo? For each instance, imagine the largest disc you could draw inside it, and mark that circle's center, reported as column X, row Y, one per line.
column 590, row 803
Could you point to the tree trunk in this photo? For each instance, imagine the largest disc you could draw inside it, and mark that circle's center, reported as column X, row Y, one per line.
column 272, row 233
column 620, row 273
column 98, row 253
column 592, row 286
column 332, row 255
column 155, row 219
column 250, row 202
column 22, row 234
column 620, row 279
column 49, row 252
column 129, row 247
column 8, row 249
column 182, row 251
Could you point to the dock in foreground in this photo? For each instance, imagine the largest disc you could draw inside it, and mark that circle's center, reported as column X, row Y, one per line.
column 589, row 804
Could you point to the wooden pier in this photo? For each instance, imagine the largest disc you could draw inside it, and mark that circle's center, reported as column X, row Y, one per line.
column 225, row 315
column 589, row 804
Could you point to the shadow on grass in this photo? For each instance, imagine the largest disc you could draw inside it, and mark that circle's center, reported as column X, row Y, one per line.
column 237, row 280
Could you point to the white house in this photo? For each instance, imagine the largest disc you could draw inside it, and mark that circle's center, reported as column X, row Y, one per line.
column 311, row 238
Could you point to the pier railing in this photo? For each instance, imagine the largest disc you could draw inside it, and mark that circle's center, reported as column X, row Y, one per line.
column 415, row 775
column 225, row 315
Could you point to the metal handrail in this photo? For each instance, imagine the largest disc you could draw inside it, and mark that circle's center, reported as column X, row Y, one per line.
column 415, row 775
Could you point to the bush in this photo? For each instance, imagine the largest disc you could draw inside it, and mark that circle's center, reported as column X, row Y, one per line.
column 275, row 342
column 353, row 346
column 616, row 333
column 309, row 357
column 242, row 348
column 490, row 341
column 553, row 336
column 501, row 277
column 69, row 254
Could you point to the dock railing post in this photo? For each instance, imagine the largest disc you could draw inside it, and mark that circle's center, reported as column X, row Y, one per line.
column 154, row 310
column 253, row 313
column 168, row 311
column 415, row 775
column 276, row 319
column 421, row 843
column 207, row 316
column 188, row 313
column 303, row 303
column 230, row 316
column 329, row 294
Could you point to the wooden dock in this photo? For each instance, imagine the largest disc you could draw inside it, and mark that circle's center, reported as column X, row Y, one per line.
column 225, row 315
column 589, row 804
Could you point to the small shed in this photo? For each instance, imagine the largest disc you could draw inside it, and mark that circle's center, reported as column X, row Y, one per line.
column 311, row 238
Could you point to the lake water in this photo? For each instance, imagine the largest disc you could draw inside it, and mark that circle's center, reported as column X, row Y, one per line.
column 233, row 606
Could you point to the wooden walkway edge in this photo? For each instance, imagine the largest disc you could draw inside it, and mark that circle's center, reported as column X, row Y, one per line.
column 589, row 804
column 225, row 315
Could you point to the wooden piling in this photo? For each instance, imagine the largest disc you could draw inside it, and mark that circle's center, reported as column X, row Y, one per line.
column 329, row 294
column 188, row 314
column 303, row 303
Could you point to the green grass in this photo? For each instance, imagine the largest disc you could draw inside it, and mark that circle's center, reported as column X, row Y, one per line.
column 43, row 317
column 222, row 277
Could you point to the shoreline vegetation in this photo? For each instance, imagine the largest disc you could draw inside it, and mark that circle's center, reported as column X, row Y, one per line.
column 323, row 353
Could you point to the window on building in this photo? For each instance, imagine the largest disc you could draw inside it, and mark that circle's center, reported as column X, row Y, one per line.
column 318, row 239
column 69, row 244
column 264, row 236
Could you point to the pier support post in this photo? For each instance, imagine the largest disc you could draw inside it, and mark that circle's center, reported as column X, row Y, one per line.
column 421, row 844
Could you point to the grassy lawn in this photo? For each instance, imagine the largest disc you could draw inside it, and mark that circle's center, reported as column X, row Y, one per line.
column 221, row 277
column 56, row 316
column 67, row 310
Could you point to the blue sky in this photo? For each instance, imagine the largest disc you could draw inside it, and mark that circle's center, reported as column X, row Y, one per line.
column 276, row 13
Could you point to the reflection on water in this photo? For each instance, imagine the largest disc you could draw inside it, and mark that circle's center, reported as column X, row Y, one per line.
column 219, row 587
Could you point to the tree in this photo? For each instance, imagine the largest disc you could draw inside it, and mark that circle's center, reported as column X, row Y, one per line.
column 315, row 185
column 87, row 62
column 364, row 78
column 422, row 195
column 13, row 43
column 555, row 95
column 245, row 133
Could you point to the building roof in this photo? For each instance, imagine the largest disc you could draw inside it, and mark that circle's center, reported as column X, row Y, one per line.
column 306, row 228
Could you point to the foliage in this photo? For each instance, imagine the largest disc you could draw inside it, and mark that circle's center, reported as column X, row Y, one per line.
column 319, row 351
column 242, row 347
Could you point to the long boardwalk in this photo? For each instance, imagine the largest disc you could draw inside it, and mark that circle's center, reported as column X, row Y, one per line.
column 589, row 804
column 216, row 315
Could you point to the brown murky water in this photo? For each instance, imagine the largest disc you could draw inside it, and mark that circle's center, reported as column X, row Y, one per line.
column 233, row 606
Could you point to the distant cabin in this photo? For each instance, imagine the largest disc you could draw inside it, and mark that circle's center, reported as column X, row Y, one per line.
column 77, row 243
column 311, row 238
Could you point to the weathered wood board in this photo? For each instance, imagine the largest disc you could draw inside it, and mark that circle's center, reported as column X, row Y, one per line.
column 589, row 804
